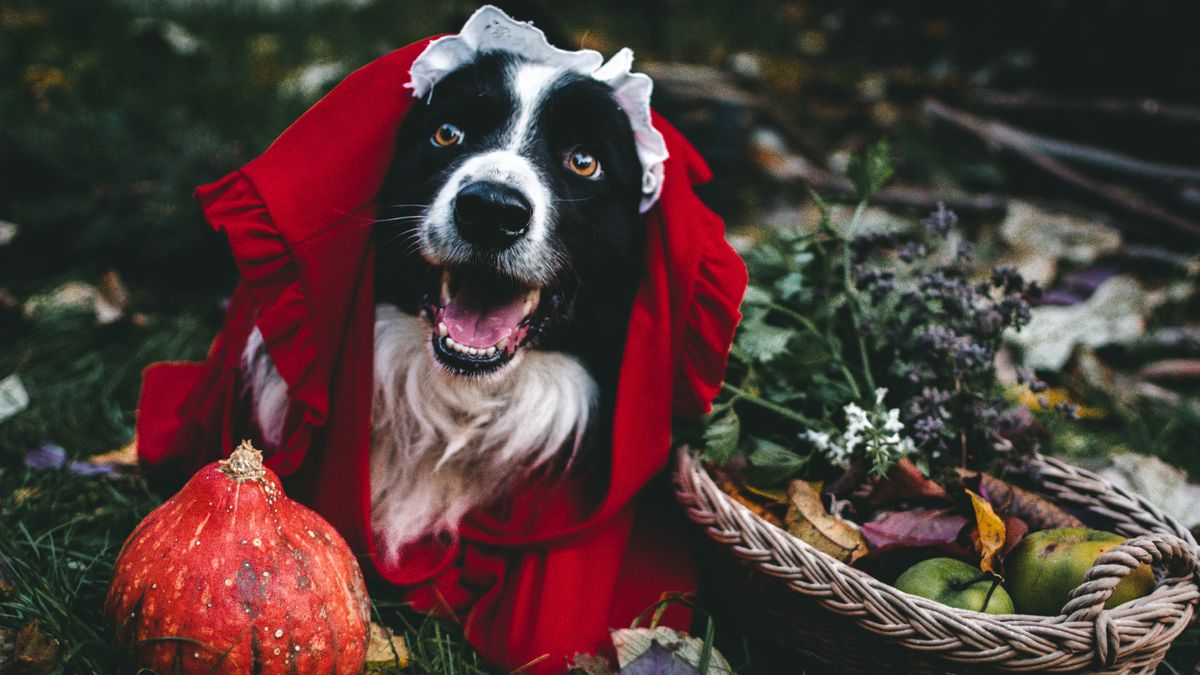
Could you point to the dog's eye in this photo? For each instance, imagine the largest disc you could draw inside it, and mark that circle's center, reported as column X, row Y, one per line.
column 583, row 163
column 447, row 135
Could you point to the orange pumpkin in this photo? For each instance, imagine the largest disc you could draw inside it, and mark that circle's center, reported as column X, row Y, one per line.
column 231, row 576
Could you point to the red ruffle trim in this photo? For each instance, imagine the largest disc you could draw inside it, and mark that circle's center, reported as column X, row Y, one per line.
column 708, row 335
column 234, row 207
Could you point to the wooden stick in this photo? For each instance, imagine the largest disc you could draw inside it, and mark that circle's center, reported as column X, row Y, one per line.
column 1030, row 100
column 1109, row 159
column 1004, row 136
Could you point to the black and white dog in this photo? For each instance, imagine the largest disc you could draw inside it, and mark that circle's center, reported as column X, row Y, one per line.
column 509, row 248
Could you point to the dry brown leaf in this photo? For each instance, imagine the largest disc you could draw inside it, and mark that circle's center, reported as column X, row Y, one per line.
column 990, row 533
column 807, row 519
column 1040, row 513
column 775, row 495
column 664, row 650
column 34, row 652
column 589, row 664
column 122, row 456
column 730, row 487
column 386, row 651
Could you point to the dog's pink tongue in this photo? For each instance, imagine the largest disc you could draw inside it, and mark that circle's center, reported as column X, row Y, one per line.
column 480, row 317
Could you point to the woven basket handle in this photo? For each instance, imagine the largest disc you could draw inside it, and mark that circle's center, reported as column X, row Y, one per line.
column 1086, row 602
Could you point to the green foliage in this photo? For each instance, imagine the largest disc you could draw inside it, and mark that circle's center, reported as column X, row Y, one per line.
column 864, row 347
column 59, row 537
column 871, row 170
column 771, row 462
column 721, row 438
column 83, row 378
column 435, row 646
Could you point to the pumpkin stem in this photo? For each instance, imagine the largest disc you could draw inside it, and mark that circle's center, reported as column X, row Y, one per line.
column 244, row 463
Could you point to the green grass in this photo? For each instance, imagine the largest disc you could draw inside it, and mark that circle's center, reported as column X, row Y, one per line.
column 108, row 128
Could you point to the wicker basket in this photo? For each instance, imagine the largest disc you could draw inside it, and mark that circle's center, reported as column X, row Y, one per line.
column 853, row 622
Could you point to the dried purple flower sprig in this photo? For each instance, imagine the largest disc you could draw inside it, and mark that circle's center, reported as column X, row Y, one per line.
column 832, row 319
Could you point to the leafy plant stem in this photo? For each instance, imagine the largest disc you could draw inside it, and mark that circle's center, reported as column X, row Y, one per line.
column 811, row 327
column 855, row 303
column 768, row 405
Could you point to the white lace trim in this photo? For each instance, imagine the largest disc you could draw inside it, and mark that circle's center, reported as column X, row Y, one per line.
column 490, row 29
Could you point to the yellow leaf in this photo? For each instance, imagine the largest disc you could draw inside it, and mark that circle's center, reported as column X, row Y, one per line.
column 807, row 519
column 1054, row 396
column 990, row 533
column 386, row 652
column 776, row 495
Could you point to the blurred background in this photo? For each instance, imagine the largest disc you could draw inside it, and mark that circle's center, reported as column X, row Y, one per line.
column 1064, row 133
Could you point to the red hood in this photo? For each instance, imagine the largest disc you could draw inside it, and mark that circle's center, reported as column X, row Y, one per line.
column 297, row 219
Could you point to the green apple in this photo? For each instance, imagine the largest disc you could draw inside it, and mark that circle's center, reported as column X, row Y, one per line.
column 1046, row 566
column 954, row 583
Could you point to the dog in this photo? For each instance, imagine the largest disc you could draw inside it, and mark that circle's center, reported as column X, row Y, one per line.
column 508, row 252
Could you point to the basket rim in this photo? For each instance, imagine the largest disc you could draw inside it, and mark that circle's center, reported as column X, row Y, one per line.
column 1018, row 641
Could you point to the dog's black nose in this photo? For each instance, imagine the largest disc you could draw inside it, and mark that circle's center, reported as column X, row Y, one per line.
column 490, row 214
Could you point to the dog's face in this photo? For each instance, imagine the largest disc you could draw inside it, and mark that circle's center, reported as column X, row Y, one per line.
column 510, row 216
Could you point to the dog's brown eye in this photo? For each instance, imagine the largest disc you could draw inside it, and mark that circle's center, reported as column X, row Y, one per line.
column 447, row 135
column 583, row 163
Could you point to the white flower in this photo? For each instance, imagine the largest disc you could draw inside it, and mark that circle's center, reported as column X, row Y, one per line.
column 818, row 438
column 877, row 432
column 893, row 423
column 836, row 453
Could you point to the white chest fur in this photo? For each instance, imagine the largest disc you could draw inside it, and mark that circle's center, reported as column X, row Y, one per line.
column 444, row 444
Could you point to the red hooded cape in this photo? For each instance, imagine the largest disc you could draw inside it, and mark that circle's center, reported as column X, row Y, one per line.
column 551, row 570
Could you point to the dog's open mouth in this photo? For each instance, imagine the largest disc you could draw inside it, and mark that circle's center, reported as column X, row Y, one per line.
column 480, row 320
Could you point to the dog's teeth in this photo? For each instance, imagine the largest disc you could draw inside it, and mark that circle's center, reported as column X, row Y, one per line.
column 502, row 343
column 451, row 343
column 490, row 351
column 442, row 330
column 445, row 287
column 472, row 351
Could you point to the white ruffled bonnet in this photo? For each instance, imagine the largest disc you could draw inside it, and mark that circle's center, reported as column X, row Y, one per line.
column 489, row 29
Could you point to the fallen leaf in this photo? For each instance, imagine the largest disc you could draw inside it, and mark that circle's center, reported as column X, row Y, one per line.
column 386, row 651
column 731, row 487
column 1015, row 530
column 6, row 586
column 13, row 397
column 1115, row 314
column 1037, row 511
column 46, row 456
column 53, row 456
column 125, row 455
column 1054, row 396
column 8, row 232
column 1039, row 239
column 81, row 296
column 990, row 533
column 807, row 519
column 113, row 297
column 656, row 660
column 914, row 528
column 34, row 652
column 664, row 651
column 1165, row 486
column 589, row 664
column 904, row 482
column 174, row 35
column 313, row 80
column 772, row 495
